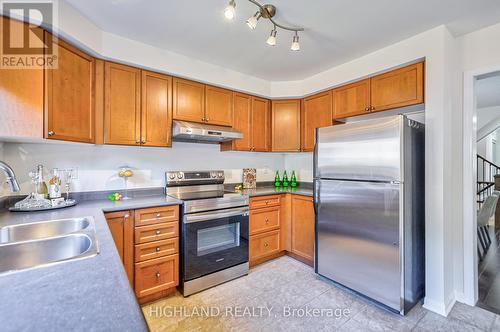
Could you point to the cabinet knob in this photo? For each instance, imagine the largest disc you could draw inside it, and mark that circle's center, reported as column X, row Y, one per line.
column 266, row 244
column 137, row 142
column 267, row 202
column 158, row 215
column 203, row 119
column 157, row 249
column 267, row 221
column 372, row 108
column 207, row 119
column 143, row 141
column 158, row 232
column 157, row 274
column 367, row 109
column 126, row 216
column 51, row 133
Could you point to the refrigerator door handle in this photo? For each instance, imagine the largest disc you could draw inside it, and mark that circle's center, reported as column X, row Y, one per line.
column 316, row 196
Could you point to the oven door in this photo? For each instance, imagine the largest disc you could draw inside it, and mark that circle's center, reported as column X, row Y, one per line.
column 214, row 241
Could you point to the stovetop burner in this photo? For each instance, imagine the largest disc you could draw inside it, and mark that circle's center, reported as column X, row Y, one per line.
column 202, row 191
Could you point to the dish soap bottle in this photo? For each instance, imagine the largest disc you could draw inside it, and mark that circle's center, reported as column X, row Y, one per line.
column 293, row 180
column 277, row 181
column 285, row 180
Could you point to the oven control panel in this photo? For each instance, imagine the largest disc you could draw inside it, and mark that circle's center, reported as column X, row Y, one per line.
column 193, row 177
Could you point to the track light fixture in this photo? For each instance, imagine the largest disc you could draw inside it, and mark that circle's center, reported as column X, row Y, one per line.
column 252, row 21
column 272, row 37
column 230, row 10
column 295, row 43
column 267, row 12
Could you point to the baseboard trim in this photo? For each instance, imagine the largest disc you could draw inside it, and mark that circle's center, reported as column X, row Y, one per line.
column 441, row 308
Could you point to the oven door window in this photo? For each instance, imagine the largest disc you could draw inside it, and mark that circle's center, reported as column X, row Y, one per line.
column 213, row 244
column 218, row 238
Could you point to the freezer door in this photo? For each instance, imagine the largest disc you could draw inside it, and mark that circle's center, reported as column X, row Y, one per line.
column 363, row 150
column 357, row 227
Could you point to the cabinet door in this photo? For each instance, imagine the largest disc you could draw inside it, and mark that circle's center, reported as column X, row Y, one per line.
column 156, row 110
column 69, row 92
column 218, row 106
column 285, row 125
column 398, row 88
column 261, row 127
column 21, row 93
column 316, row 113
column 351, row 100
column 303, row 227
column 243, row 121
column 121, row 226
column 122, row 113
column 188, row 100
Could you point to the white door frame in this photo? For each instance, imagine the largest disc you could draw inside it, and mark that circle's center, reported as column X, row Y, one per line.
column 469, row 184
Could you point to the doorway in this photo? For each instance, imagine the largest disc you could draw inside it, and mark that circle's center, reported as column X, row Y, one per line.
column 482, row 189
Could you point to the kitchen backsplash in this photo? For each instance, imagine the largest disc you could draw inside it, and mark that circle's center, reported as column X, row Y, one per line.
column 97, row 165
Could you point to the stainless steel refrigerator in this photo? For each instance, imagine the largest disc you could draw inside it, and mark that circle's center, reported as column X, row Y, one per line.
column 370, row 209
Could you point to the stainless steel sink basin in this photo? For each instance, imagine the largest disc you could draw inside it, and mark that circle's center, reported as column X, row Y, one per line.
column 37, row 253
column 42, row 229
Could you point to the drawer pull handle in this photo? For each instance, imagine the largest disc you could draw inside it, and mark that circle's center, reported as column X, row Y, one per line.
column 158, row 215
column 266, row 244
column 157, row 274
column 157, row 249
column 267, row 221
column 158, row 232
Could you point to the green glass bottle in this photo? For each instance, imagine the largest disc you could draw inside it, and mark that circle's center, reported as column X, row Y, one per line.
column 285, row 180
column 293, row 180
column 277, row 181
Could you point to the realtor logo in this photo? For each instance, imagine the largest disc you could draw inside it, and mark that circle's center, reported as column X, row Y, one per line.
column 24, row 45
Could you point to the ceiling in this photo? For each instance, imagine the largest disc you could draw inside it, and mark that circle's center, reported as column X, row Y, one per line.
column 336, row 31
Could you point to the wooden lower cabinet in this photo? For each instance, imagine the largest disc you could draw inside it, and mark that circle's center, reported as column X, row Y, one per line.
column 156, row 275
column 281, row 224
column 302, row 228
column 121, row 226
column 148, row 243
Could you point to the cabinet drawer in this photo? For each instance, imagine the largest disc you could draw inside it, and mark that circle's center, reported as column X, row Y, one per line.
column 156, row 215
column 155, row 275
column 156, row 232
column 156, row 249
column 265, row 244
column 263, row 220
column 264, row 201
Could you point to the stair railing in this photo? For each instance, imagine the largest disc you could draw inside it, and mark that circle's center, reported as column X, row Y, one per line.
column 486, row 171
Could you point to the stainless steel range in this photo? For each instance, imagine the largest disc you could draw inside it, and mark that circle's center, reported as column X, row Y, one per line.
column 214, row 229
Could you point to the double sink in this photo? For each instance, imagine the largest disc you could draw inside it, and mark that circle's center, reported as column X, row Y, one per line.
column 43, row 243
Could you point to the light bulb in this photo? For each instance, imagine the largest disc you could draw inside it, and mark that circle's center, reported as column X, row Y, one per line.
column 252, row 21
column 230, row 10
column 295, row 43
column 272, row 37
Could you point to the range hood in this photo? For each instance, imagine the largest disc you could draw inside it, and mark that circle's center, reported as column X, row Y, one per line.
column 183, row 131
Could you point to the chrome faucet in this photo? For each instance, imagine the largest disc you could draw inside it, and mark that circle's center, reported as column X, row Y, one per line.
column 10, row 176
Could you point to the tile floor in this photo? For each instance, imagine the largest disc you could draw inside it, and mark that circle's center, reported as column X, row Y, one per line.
column 285, row 284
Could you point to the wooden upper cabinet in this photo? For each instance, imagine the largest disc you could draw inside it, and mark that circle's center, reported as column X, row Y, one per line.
column 285, row 125
column 398, row 88
column 121, row 226
column 302, row 228
column 69, row 91
column 156, row 110
column 122, row 106
column 218, row 106
column 242, row 121
column 261, row 126
column 188, row 100
column 352, row 99
column 21, row 93
column 316, row 113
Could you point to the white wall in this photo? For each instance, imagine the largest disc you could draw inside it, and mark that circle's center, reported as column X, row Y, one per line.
column 98, row 165
column 302, row 164
column 2, row 177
